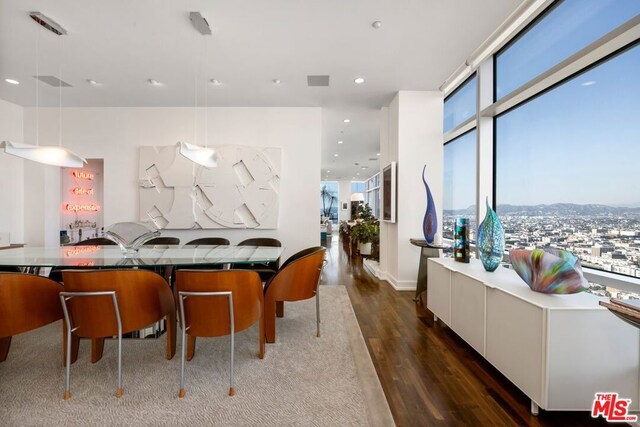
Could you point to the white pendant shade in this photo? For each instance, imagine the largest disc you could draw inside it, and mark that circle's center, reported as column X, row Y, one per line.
column 47, row 154
column 203, row 156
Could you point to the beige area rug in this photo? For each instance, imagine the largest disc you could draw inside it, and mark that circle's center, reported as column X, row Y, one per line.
column 303, row 380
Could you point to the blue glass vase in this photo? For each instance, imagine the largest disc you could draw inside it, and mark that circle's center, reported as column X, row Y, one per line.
column 490, row 240
column 430, row 222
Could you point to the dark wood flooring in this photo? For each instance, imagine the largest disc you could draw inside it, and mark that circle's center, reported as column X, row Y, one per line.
column 430, row 376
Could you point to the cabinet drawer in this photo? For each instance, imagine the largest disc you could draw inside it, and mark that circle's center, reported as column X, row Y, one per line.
column 439, row 291
column 467, row 310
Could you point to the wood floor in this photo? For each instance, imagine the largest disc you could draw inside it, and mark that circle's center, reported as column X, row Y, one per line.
column 429, row 375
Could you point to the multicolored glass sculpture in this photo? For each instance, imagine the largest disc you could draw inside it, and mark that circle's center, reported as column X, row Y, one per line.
column 430, row 222
column 490, row 240
column 550, row 271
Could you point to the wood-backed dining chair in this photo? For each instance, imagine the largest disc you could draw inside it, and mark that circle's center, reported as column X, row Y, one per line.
column 98, row 241
column 266, row 269
column 107, row 303
column 163, row 241
column 210, row 241
column 27, row 302
column 218, row 303
column 297, row 280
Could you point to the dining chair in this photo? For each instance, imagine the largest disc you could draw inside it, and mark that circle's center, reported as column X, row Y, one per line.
column 218, row 303
column 209, row 241
column 98, row 241
column 108, row 303
column 297, row 280
column 27, row 302
column 267, row 269
column 163, row 241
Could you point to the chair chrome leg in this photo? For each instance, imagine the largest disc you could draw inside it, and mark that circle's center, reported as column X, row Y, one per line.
column 181, row 393
column 318, row 311
column 119, row 390
column 67, row 378
column 232, row 390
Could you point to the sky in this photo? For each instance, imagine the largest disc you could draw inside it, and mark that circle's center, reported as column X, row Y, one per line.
column 578, row 143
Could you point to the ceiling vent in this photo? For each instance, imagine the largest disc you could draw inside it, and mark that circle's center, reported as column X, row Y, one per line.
column 200, row 23
column 48, row 23
column 52, row 81
column 373, row 159
column 317, row 80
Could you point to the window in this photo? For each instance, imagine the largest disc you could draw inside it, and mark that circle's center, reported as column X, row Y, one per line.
column 372, row 195
column 460, row 183
column 566, row 28
column 567, row 167
column 460, row 105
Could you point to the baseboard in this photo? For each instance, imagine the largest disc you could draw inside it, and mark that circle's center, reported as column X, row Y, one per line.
column 373, row 267
column 400, row 285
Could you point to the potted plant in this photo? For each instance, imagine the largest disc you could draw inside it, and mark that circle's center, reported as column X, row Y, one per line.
column 366, row 231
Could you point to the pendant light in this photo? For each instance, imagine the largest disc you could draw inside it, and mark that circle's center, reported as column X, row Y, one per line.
column 45, row 154
column 203, row 156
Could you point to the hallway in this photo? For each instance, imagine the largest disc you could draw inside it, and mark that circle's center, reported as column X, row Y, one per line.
column 429, row 375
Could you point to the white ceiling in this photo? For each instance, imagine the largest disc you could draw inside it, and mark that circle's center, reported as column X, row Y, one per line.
column 122, row 43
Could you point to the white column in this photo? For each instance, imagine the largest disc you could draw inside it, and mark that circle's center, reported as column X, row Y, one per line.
column 411, row 135
column 344, row 196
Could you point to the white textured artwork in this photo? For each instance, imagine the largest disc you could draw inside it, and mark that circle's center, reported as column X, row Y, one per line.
column 241, row 192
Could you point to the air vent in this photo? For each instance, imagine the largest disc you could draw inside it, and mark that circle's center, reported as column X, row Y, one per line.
column 48, row 23
column 52, row 81
column 373, row 159
column 200, row 23
column 317, row 80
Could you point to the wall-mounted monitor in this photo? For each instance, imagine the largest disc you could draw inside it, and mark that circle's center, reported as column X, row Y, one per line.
column 389, row 193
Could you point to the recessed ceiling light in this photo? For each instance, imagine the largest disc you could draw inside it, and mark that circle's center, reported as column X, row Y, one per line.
column 353, row 177
column 377, row 154
column 364, row 167
column 13, row 82
column 359, row 81
column 154, row 82
column 376, row 24
column 589, row 83
column 357, row 173
column 216, row 82
column 340, row 142
column 93, row 82
column 335, row 155
column 347, row 121
column 276, row 81
column 328, row 171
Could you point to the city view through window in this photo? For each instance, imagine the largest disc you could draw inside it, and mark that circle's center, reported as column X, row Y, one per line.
column 567, row 161
column 567, row 168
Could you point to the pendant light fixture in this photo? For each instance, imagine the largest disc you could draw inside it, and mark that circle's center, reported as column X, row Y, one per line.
column 46, row 154
column 203, row 156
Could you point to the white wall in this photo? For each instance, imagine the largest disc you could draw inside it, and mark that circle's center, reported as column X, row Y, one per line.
column 114, row 134
column 411, row 135
column 12, row 173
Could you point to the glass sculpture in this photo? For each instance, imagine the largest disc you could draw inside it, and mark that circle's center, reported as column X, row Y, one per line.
column 430, row 222
column 550, row 271
column 490, row 240
column 130, row 236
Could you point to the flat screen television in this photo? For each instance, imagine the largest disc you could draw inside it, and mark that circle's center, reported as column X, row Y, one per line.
column 389, row 193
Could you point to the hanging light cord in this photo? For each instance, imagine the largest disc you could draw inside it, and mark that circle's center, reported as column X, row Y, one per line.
column 38, row 86
column 60, row 93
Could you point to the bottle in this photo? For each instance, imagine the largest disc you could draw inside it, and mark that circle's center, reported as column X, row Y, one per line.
column 461, row 240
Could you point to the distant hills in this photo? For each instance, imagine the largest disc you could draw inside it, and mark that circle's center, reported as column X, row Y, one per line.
column 556, row 209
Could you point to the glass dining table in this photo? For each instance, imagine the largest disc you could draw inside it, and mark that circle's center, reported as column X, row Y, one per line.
column 149, row 256
column 34, row 259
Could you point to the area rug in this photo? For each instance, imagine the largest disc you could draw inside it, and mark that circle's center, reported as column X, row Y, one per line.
column 302, row 381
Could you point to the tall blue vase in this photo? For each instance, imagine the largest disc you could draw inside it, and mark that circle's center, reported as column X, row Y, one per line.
column 490, row 240
column 430, row 222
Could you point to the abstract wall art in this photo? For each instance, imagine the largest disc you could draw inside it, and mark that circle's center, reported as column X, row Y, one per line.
column 241, row 192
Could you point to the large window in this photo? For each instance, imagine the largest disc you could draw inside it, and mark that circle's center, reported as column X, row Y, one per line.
column 460, row 183
column 329, row 201
column 461, row 104
column 567, row 27
column 372, row 194
column 567, row 167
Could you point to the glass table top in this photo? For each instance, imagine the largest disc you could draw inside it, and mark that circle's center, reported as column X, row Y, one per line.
column 160, row 255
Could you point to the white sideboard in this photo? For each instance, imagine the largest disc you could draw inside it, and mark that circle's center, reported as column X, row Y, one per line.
column 558, row 349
